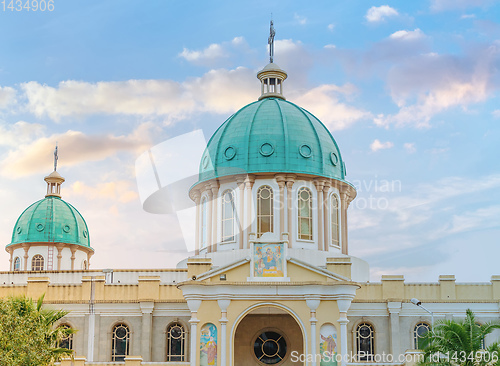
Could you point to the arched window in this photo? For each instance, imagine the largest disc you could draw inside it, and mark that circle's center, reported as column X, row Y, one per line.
column 419, row 332
column 121, row 343
column 305, row 213
column 334, row 213
column 364, row 342
column 67, row 340
column 17, row 264
column 228, row 216
column 176, row 343
column 204, row 222
column 265, row 213
column 37, row 263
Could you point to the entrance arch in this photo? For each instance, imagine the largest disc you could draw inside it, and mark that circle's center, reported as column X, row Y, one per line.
column 265, row 323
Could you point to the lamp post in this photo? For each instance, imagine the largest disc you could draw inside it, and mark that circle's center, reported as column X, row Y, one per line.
column 418, row 303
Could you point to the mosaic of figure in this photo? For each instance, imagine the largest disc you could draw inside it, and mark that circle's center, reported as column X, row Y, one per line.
column 268, row 260
column 208, row 345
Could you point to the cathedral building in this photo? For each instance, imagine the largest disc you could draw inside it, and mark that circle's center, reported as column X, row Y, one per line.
column 271, row 281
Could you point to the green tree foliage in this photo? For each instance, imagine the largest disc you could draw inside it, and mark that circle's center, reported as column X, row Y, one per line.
column 453, row 343
column 28, row 336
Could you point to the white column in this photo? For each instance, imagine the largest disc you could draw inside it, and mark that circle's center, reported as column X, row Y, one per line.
column 90, row 344
column 147, row 324
column 394, row 309
column 313, row 304
column 343, row 306
column 223, row 304
column 193, row 305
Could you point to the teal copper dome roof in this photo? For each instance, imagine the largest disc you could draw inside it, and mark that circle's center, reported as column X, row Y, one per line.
column 51, row 220
column 272, row 135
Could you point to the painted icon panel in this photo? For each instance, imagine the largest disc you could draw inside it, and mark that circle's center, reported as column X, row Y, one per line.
column 208, row 345
column 268, row 260
column 328, row 345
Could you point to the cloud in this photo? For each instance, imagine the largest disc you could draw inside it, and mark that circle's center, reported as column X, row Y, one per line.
column 331, row 27
column 214, row 51
column 19, row 133
column 7, row 96
column 323, row 101
column 330, row 46
column 496, row 113
column 36, row 157
column 377, row 145
column 468, row 16
column 428, row 84
column 378, row 14
column 118, row 191
column 300, row 19
column 443, row 5
column 212, row 92
column 410, row 147
column 405, row 35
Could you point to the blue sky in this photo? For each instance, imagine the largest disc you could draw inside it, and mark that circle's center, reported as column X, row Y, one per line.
column 410, row 91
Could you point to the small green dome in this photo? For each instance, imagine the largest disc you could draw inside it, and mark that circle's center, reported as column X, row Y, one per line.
column 51, row 220
column 272, row 135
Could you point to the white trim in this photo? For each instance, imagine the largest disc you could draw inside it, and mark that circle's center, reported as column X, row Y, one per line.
column 339, row 221
column 248, row 310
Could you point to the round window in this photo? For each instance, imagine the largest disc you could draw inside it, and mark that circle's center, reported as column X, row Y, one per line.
column 266, row 149
column 270, row 348
column 305, row 150
column 230, row 152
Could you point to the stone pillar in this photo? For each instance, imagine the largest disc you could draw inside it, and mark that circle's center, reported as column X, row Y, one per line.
column 290, row 179
column 209, row 219
column 73, row 251
column 313, row 304
column 196, row 198
column 394, row 309
column 193, row 305
column 319, row 184
column 281, row 180
column 249, row 181
column 26, row 248
column 326, row 220
column 343, row 220
column 146, row 329
column 241, row 213
column 223, row 304
column 59, row 247
column 343, row 305
column 215, row 221
column 11, row 252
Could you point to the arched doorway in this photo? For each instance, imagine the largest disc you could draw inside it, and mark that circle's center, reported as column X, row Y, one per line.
column 267, row 336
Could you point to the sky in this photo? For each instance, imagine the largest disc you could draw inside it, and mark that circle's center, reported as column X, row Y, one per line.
column 409, row 90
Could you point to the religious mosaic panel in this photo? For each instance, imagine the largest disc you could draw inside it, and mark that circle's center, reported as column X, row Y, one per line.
column 328, row 345
column 208, row 345
column 268, row 260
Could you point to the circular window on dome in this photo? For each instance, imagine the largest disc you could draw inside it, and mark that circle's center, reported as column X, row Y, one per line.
column 334, row 159
column 19, row 230
column 305, row 150
column 266, row 149
column 270, row 348
column 40, row 227
column 230, row 152
column 66, row 228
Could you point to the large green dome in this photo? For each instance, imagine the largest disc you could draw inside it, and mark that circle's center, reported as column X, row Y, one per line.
column 272, row 135
column 51, row 220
